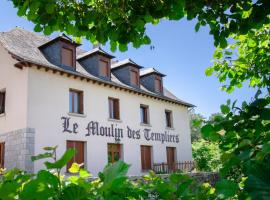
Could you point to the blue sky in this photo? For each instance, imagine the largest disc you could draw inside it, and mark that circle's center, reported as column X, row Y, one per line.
column 180, row 53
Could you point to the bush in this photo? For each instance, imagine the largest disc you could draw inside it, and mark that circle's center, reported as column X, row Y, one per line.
column 112, row 183
column 206, row 155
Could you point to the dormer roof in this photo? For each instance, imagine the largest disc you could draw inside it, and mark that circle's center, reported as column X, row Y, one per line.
column 97, row 50
column 148, row 71
column 63, row 37
column 125, row 62
column 24, row 45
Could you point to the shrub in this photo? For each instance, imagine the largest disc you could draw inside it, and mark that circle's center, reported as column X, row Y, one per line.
column 206, row 155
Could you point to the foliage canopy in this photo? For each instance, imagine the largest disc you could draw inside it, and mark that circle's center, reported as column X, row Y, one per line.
column 123, row 21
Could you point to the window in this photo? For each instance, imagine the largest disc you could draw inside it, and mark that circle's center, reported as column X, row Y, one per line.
column 67, row 56
column 79, row 156
column 134, row 77
column 168, row 115
column 75, row 101
column 2, row 101
column 144, row 111
column 158, row 84
column 171, row 157
column 146, row 159
column 104, row 68
column 114, row 152
column 114, row 108
column 2, row 154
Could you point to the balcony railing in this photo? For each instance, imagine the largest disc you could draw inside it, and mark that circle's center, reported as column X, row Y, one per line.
column 166, row 168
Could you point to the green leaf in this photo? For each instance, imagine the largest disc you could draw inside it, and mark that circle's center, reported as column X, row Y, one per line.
column 209, row 71
column 112, row 173
column 265, row 114
column 207, row 130
column 42, row 156
column 74, row 192
column 75, row 168
column 9, row 190
column 197, row 26
column 50, row 148
column 123, row 47
column 258, row 182
column 218, row 54
column 225, row 109
column 38, row 28
column 266, row 148
column 251, row 43
column 49, row 8
column 59, row 164
column 226, row 188
column 84, row 173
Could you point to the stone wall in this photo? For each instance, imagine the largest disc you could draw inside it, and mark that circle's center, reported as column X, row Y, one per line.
column 201, row 177
column 19, row 147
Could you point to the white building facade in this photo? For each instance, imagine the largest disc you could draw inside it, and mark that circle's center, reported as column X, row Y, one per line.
column 54, row 94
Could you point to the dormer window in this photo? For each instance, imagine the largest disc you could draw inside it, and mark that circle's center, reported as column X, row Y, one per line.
column 67, row 56
column 134, row 77
column 60, row 51
column 128, row 72
column 97, row 62
column 158, row 84
column 151, row 79
column 104, row 68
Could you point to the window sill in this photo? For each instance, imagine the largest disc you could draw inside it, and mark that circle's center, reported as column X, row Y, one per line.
column 170, row 128
column 114, row 120
column 2, row 114
column 77, row 115
column 143, row 124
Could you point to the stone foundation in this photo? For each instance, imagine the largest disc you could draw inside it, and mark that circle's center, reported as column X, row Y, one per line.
column 19, row 147
column 200, row 177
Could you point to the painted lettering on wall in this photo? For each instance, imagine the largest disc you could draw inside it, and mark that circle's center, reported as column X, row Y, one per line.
column 96, row 129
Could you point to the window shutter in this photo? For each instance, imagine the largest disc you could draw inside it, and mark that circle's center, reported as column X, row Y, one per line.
column 134, row 77
column 104, row 68
column 116, row 109
column 67, row 57
column 142, row 157
column 81, row 102
column 2, row 102
column 2, row 154
column 148, row 158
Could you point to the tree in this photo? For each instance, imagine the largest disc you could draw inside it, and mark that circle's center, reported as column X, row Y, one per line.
column 206, row 155
column 122, row 22
column 196, row 123
column 243, row 132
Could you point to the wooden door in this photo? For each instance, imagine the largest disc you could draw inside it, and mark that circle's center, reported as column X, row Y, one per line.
column 171, row 157
column 2, row 154
column 79, row 156
column 146, row 158
column 114, row 152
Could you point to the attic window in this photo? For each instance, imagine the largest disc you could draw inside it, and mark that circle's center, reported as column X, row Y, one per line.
column 104, row 68
column 134, row 77
column 158, row 84
column 67, row 56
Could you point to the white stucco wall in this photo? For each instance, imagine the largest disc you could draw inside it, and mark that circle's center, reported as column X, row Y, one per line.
column 15, row 82
column 48, row 96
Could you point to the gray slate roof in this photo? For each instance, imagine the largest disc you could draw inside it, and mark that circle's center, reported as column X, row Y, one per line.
column 146, row 71
column 93, row 51
column 123, row 63
column 25, row 44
